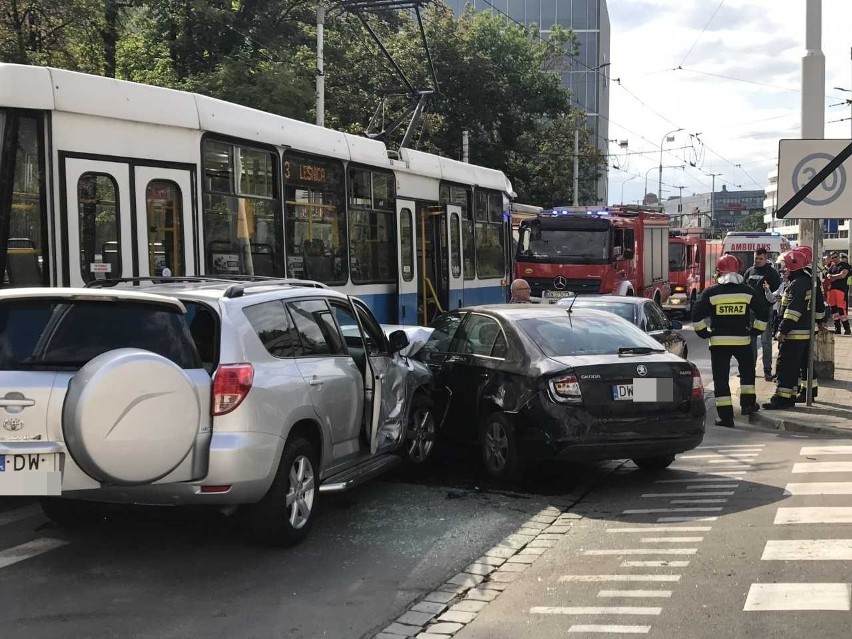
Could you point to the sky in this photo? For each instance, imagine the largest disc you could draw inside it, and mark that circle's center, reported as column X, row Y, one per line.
column 739, row 119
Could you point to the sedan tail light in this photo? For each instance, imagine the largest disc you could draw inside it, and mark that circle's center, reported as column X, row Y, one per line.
column 697, row 385
column 231, row 384
column 565, row 389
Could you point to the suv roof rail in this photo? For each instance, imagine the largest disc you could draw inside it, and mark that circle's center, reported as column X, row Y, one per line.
column 238, row 290
column 238, row 283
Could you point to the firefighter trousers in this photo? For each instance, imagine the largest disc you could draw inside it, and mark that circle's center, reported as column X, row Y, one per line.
column 803, row 373
column 720, row 360
column 792, row 357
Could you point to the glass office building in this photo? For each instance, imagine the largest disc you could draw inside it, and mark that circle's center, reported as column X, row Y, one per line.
column 586, row 76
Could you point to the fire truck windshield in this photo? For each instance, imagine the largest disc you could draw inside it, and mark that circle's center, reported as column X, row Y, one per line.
column 677, row 256
column 564, row 245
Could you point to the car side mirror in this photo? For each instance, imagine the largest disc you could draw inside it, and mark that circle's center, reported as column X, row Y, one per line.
column 398, row 340
column 675, row 325
column 628, row 254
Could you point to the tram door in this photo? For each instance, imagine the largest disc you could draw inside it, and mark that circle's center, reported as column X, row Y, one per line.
column 439, row 255
column 408, row 264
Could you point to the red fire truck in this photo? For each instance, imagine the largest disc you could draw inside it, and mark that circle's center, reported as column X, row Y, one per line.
column 692, row 263
column 620, row 250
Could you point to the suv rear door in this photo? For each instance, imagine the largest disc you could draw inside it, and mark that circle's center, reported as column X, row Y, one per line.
column 98, row 388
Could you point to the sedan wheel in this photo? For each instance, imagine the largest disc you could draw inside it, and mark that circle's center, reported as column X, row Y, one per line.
column 499, row 445
column 422, row 431
column 654, row 463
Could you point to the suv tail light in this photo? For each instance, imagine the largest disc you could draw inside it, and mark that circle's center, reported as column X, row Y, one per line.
column 565, row 389
column 697, row 385
column 231, row 384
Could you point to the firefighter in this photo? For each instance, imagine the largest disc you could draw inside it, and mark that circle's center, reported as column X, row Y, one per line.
column 838, row 290
column 722, row 314
column 794, row 331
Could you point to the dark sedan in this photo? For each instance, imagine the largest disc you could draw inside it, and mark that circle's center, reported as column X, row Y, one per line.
column 642, row 312
column 533, row 383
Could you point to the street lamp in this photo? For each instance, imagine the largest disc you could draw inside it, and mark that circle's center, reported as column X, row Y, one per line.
column 660, row 190
column 663, row 141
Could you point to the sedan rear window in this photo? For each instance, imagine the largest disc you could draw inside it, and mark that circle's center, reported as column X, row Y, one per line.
column 625, row 311
column 63, row 334
column 560, row 336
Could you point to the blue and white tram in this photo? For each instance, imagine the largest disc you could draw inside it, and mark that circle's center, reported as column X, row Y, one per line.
column 101, row 179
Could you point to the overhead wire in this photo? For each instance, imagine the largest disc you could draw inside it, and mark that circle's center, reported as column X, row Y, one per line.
column 707, row 24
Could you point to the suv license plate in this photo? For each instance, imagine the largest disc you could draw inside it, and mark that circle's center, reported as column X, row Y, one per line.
column 27, row 463
column 645, row 389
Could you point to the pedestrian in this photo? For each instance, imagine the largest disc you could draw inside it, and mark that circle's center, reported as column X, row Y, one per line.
column 778, row 295
column 838, row 289
column 520, row 289
column 729, row 313
column 763, row 278
column 794, row 332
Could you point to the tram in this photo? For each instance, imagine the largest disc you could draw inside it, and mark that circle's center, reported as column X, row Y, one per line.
column 104, row 179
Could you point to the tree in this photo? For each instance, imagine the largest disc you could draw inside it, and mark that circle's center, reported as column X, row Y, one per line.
column 754, row 222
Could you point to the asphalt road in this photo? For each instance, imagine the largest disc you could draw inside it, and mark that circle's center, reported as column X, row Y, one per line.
column 174, row 573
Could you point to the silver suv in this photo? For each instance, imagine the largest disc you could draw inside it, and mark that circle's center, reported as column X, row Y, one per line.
column 193, row 391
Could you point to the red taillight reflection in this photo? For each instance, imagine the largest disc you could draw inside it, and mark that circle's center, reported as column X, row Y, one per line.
column 697, row 385
column 215, row 489
column 231, row 384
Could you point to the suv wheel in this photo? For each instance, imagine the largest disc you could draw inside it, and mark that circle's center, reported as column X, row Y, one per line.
column 421, row 432
column 654, row 463
column 285, row 514
column 501, row 453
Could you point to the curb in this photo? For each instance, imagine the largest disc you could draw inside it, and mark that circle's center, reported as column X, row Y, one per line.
column 778, row 423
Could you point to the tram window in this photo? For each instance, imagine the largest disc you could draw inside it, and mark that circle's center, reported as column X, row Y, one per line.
column 21, row 194
column 452, row 194
column 241, row 229
column 255, row 171
column 100, row 249
column 489, row 234
column 371, row 226
column 315, row 218
column 406, row 244
column 165, row 234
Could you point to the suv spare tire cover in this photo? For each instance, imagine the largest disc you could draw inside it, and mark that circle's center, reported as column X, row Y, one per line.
column 130, row 417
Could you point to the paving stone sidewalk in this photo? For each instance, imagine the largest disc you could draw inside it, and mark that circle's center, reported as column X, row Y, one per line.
column 831, row 412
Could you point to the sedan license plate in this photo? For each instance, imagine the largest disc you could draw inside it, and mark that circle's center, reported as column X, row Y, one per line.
column 556, row 294
column 645, row 389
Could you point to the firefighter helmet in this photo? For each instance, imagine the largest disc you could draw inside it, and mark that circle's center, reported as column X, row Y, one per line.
column 795, row 260
column 807, row 252
column 727, row 264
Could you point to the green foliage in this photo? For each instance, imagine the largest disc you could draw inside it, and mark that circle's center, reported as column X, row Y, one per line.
column 497, row 80
column 754, row 222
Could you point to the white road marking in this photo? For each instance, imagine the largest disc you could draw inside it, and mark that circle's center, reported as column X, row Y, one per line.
column 692, row 480
column 661, row 563
column 740, row 462
column 731, row 446
column 814, row 515
column 672, row 540
column 653, row 528
column 820, row 488
column 808, row 550
column 826, row 450
column 19, row 514
column 587, row 578
column 28, row 550
column 610, row 630
column 675, row 520
column 711, row 486
column 652, row 511
column 822, row 467
column 595, row 610
column 641, row 551
column 708, row 494
column 698, row 501
column 721, row 456
column 799, row 596
column 653, row 594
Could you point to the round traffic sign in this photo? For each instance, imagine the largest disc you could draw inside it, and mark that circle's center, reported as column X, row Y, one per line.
column 830, row 189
